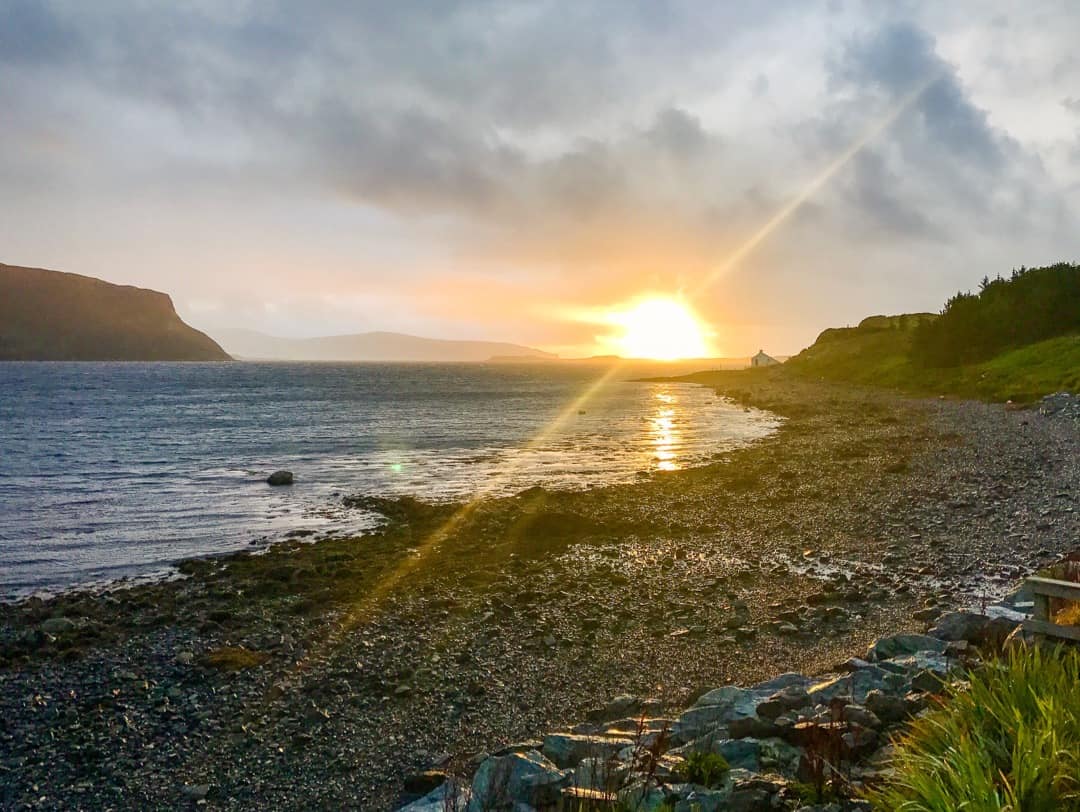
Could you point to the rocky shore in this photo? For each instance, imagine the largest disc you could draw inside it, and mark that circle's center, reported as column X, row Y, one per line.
column 323, row 675
column 794, row 742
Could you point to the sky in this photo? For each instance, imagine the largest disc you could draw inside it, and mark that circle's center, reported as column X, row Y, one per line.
column 512, row 171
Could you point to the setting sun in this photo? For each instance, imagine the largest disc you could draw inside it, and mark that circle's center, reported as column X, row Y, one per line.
column 660, row 328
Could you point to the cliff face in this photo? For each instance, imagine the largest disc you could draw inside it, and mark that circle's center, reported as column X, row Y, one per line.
column 54, row 316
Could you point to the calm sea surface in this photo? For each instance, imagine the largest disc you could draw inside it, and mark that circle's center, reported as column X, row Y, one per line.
column 116, row 470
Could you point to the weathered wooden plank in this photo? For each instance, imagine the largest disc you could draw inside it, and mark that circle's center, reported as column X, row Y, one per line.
column 1052, row 629
column 1066, row 590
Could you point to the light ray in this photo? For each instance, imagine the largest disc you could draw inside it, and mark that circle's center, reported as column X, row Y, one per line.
column 817, row 182
column 366, row 605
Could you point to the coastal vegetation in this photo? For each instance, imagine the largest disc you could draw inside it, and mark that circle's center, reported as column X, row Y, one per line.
column 1017, row 339
column 1007, row 740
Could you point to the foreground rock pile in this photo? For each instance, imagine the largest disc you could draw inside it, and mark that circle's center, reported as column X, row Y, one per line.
column 788, row 742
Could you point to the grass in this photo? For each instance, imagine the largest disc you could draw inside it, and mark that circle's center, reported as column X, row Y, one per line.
column 704, row 769
column 1010, row 742
column 877, row 353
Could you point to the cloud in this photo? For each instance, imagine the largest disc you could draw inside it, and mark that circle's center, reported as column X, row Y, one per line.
column 573, row 150
column 941, row 166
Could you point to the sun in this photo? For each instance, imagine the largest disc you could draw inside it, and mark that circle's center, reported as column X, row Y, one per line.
column 659, row 328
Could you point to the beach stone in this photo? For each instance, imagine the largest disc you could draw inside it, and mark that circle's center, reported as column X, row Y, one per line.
column 568, row 749
column 928, row 681
column 887, row 707
column 854, row 686
column 777, row 755
column 423, row 782
column 752, row 727
column 791, row 698
column 446, row 796
column 858, row 715
column 600, row 773
column 618, row 708
column 741, row 754
column 280, row 478
column 526, row 778
column 699, row 799
column 900, row 644
column 919, row 661
column 717, row 708
column 58, row 625
column 195, row 792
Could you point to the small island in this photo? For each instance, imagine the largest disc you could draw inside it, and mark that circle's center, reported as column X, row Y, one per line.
column 54, row 316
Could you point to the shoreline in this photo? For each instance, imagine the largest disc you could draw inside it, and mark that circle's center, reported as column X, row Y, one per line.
column 509, row 617
column 314, row 509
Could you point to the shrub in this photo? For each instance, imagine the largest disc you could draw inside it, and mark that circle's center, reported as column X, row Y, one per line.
column 1010, row 741
column 1032, row 305
column 704, row 769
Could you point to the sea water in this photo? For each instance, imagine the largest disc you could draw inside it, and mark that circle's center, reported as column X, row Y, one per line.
column 117, row 470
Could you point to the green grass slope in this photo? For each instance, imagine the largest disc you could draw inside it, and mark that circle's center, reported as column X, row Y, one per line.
column 877, row 353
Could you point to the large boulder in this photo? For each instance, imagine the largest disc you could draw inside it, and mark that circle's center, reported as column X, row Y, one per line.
column 280, row 478
column 718, row 708
column 899, row 644
column 976, row 628
column 855, row 686
column 502, row 783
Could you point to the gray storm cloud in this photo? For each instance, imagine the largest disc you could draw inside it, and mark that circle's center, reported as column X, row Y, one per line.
column 481, row 129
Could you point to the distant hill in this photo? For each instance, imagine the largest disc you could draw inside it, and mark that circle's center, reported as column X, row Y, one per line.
column 53, row 316
column 377, row 346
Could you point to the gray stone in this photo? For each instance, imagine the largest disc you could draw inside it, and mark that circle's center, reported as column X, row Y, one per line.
column 529, row 778
column 719, row 707
column 960, row 626
column 447, row 796
column 600, row 773
column 280, row 478
column 567, row 749
column 778, row 756
column 699, row 799
column 928, row 682
column 887, row 707
column 753, row 727
column 58, row 625
column 858, row 715
column 919, row 661
column 791, row 698
column 740, row 753
column 195, row 792
column 900, row 644
column 854, row 686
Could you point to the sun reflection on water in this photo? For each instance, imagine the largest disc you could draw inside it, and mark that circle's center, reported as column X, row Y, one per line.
column 664, row 435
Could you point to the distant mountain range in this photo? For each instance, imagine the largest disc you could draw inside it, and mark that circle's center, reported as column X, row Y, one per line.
column 378, row 346
column 54, row 316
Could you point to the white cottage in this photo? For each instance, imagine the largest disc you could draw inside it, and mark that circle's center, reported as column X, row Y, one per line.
column 763, row 360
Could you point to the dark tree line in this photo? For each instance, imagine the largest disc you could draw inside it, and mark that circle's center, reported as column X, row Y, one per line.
column 1033, row 304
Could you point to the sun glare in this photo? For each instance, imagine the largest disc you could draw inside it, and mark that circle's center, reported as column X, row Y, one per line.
column 659, row 328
